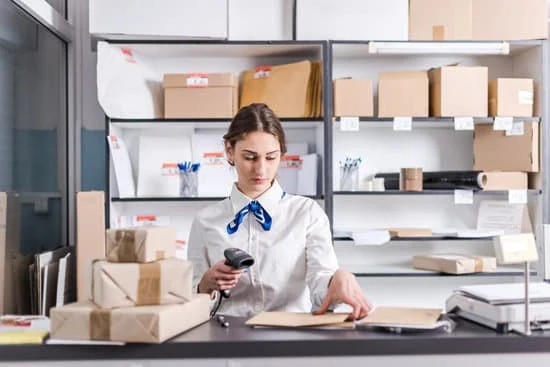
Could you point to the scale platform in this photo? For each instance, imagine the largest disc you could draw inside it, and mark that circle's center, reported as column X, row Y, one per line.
column 501, row 307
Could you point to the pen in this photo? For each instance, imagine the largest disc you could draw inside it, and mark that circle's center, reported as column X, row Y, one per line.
column 221, row 320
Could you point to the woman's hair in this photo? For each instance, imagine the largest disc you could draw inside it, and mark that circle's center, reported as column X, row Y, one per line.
column 255, row 117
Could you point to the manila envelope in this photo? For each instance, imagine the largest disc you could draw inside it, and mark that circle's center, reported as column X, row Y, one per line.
column 296, row 319
column 399, row 316
column 286, row 89
column 131, row 284
column 140, row 245
column 146, row 324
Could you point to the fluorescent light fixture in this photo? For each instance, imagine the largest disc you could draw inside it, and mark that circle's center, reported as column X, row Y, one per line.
column 465, row 48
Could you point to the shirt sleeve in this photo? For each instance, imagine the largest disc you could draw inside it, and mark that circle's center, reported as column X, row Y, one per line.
column 196, row 252
column 321, row 261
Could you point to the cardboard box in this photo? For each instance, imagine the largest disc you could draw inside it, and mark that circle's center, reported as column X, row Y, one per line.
column 9, row 251
column 458, row 91
column 511, row 97
column 140, row 245
column 403, row 94
column 410, row 232
column 509, row 19
column 146, row 324
column 494, row 151
column 353, row 97
column 200, row 95
column 174, row 18
column 352, row 20
column 90, row 238
column 503, row 180
column 131, row 284
column 440, row 20
column 455, row 264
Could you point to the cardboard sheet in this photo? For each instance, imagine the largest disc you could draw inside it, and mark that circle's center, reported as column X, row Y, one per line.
column 295, row 319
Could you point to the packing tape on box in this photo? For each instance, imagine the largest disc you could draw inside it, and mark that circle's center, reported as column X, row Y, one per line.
column 127, row 250
column 478, row 264
column 100, row 324
column 148, row 292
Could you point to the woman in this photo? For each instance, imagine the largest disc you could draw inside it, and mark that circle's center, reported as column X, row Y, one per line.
column 288, row 235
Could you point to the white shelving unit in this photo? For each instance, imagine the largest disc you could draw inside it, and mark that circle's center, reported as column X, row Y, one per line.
column 434, row 145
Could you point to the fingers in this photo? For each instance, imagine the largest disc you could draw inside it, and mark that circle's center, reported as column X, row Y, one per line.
column 324, row 306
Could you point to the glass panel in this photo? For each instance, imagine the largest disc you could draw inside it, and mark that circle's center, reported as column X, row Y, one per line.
column 33, row 127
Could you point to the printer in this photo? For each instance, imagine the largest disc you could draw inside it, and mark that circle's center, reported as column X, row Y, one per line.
column 501, row 306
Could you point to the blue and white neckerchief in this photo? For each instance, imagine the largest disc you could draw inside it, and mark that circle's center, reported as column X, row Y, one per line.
column 260, row 214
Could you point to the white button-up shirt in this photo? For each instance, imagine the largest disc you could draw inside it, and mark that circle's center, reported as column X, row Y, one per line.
column 294, row 260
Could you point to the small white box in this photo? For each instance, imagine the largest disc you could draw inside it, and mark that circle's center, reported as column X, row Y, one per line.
column 376, row 20
column 259, row 20
column 161, row 18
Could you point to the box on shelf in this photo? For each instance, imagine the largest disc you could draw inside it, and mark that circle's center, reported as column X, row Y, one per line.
column 90, row 238
column 353, row 97
column 509, row 19
column 403, row 94
column 455, row 264
column 137, row 18
column 290, row 90
column 440, row 20
column 495, row 151
column 140, row 245
column 503, row 180
column 145, row 324
column 133, row 284
column 458, row 91
column 352, row 20
column 410, row 232
column 200, row 95
column 512, row 97
column 260, row 20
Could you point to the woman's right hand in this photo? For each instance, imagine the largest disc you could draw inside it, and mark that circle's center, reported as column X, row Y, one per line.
column 219, row 277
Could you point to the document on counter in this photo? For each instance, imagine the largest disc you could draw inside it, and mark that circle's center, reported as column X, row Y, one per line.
column 296, row 319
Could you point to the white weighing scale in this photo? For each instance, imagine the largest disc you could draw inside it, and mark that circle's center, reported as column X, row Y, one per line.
column 501, row 306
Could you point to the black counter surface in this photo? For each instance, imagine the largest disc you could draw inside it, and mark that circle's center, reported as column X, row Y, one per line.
column 210, row 340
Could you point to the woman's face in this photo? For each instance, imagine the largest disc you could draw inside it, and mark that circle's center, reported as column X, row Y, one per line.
column 256, row 159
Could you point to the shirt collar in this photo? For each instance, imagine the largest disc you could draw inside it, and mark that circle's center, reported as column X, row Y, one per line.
column 268, row 199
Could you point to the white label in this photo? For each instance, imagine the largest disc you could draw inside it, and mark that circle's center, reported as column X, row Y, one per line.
column 197, row 81
column 464, row 197
column 525, row 97
column 517, row 196
column 261, row 74
column 503, row 123
column 517, row 129
column 349, row 123
column 402, row 123
column 464, row 123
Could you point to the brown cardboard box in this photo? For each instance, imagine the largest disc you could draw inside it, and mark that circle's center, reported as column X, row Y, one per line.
column 440, row 19
column 455, row 264
column 212, row 95
column 403, row 94
column 147, row 324
column 140, row 245
column 494, row 151
column 353, row 97
column 512, row 97
column 458, row 91
column 9, row 251
column 131, row 284
column 90, row 238
column 503, row 180
column 410, row 232
column 509, row 19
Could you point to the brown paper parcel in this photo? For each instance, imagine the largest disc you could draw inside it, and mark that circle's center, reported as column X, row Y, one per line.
column 148, row 324
column 140, row 244
column 131, row 284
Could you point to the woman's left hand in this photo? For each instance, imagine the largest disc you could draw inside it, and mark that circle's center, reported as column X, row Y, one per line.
column 344, row 288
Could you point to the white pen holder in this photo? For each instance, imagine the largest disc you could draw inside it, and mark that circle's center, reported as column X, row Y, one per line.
column 349, row 179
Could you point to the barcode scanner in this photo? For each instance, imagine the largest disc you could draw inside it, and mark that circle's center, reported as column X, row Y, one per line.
column 237, row 259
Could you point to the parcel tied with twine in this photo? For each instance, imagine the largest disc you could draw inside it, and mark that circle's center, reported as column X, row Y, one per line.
column 140, row 245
